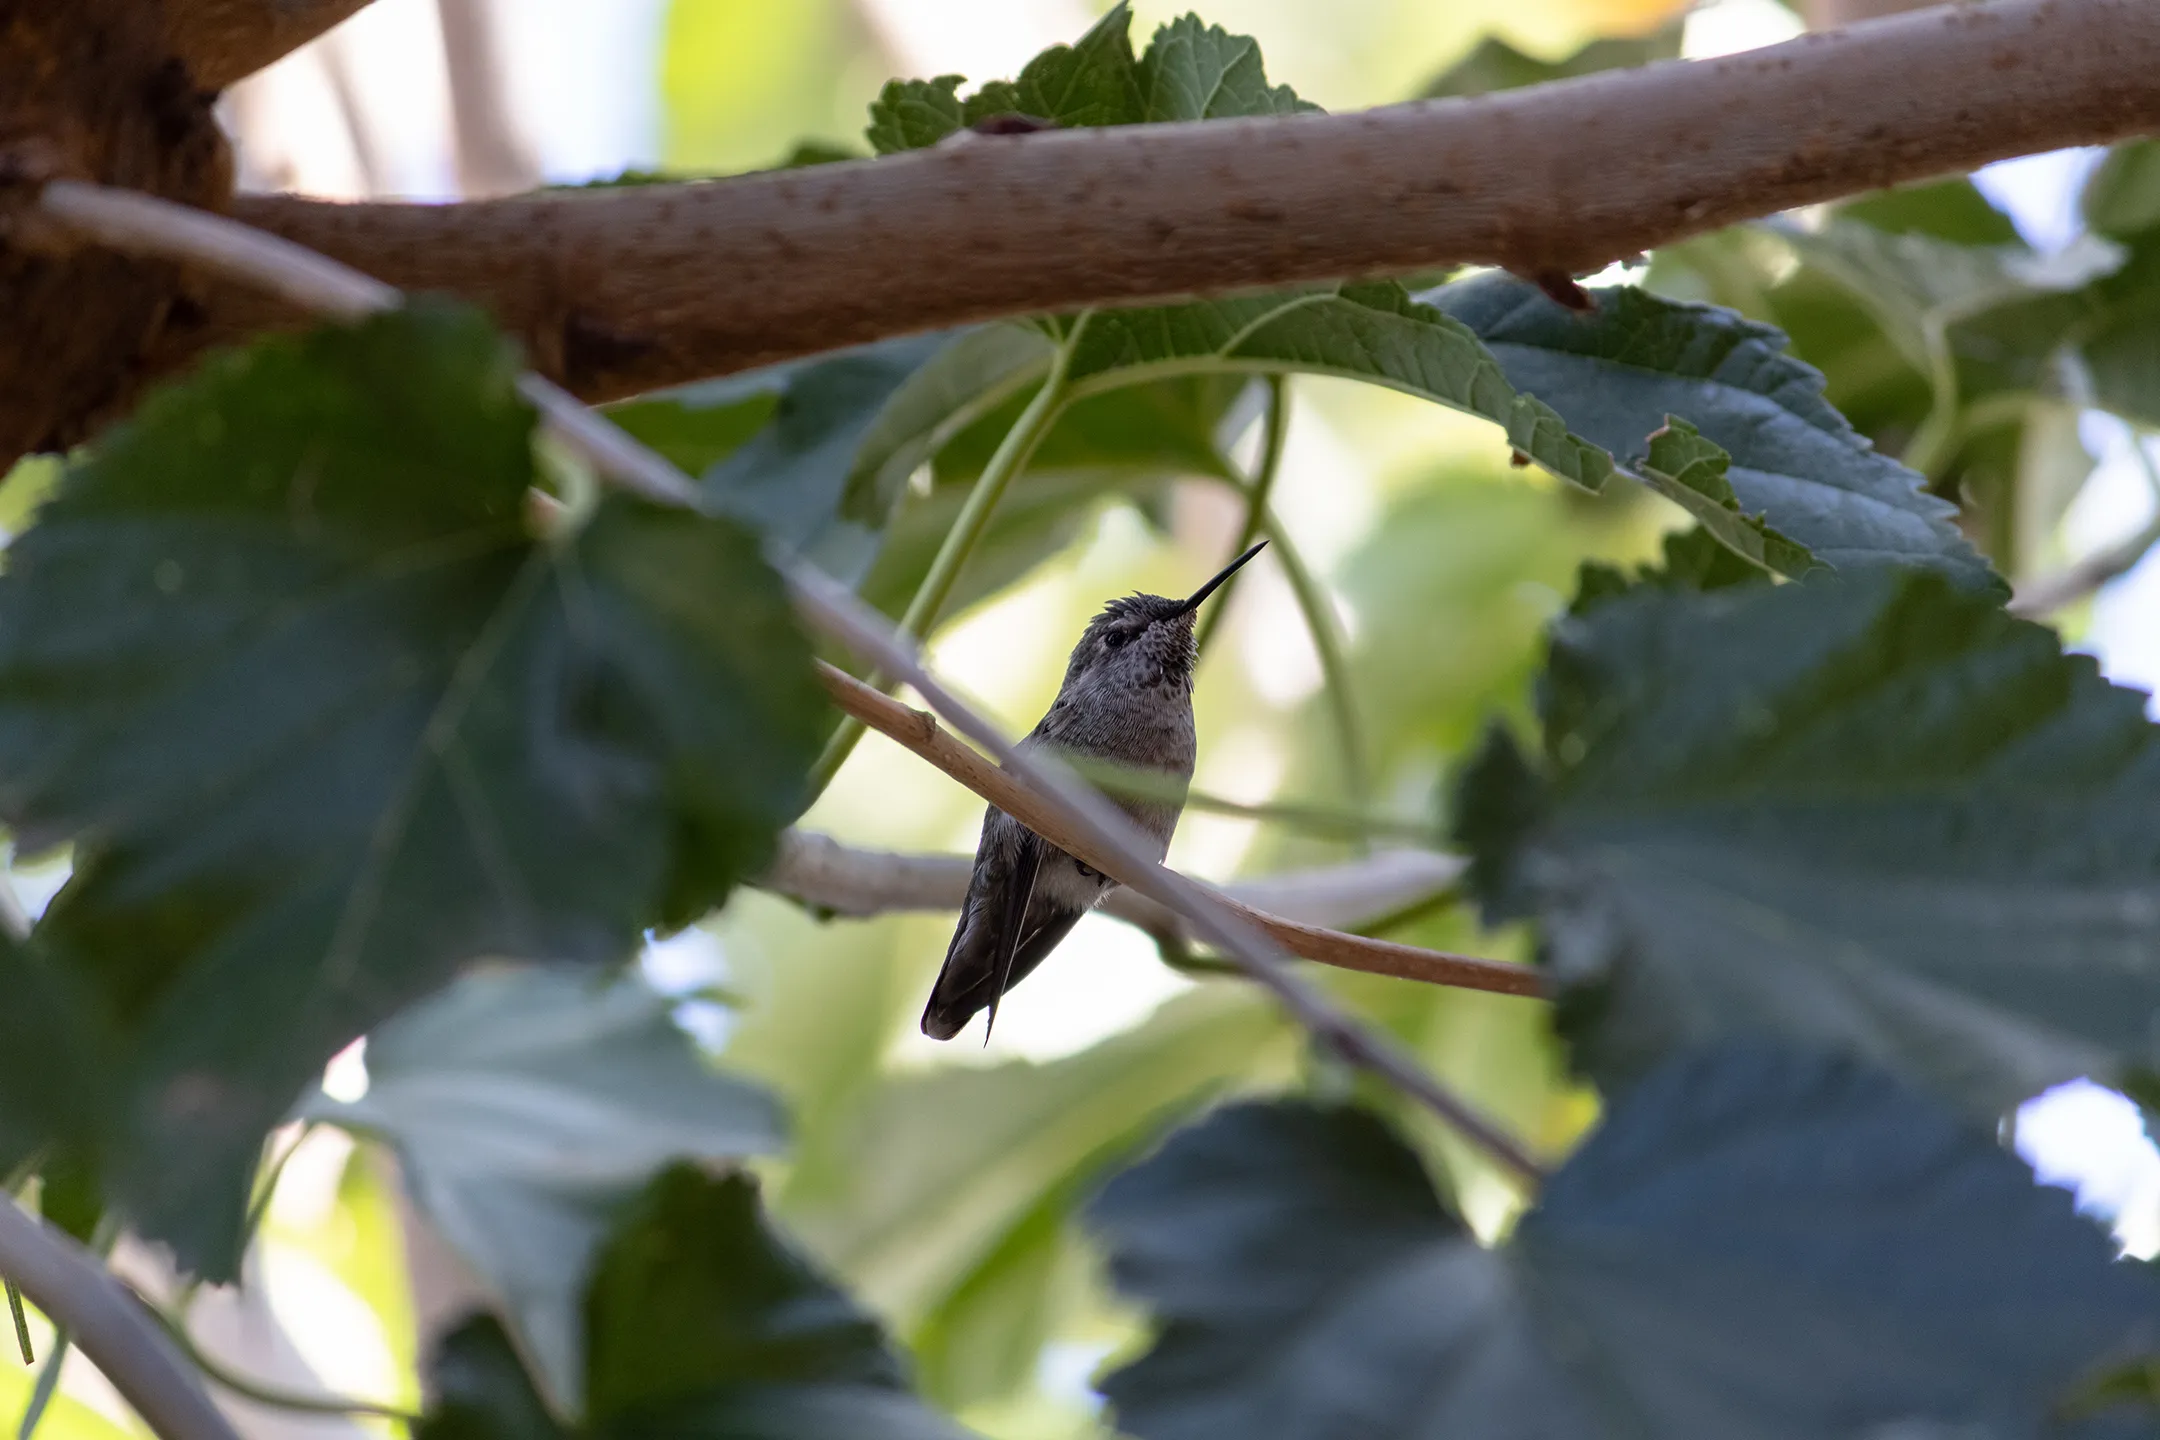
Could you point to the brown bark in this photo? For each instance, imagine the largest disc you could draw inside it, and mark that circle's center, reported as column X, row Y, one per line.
column 226, row 40
column 87, row 91
column 625, row 290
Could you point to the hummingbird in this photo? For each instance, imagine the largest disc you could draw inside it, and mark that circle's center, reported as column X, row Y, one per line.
column 1126, row 699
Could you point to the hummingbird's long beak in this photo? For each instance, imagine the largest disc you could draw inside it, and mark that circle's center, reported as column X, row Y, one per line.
column 1221, row 575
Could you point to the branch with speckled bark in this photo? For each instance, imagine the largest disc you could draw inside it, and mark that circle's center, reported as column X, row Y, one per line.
column 620, row 291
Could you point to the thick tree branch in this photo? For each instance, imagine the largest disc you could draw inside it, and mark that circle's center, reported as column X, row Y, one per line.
column 1090, row 827
column 625, row 290
column 922, row 734
column 227, row 40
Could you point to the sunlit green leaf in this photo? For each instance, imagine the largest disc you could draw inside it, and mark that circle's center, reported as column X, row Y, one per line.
column 527, row 1107
column 324, row 722
column 1496, row 65
column 1873, row 813
column 1196, row 71
column 1756, row 1245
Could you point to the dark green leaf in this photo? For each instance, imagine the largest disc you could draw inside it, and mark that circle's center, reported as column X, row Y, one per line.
column 792, row 475
column 947, row 396
column 704, row 1322
column 481, row 1391
column 1496, row 65
column 1368, row 331
column 1795, row 460
column 2122, row 198
column 1693, row 560
column 1756, row 1245
column 324, row 723
column 1873, row 813
column 1690, row 471
column 1123, row 444
column 527, row 1108
column 54, row 1070
column 2119, row 340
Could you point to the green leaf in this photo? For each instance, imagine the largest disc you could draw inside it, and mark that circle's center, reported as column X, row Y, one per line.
column 1496, row 65
column 54, row 1066
column 1692, row 560
column 1366, row 331
column 699, row 1309
column 1196, row 71
column 2122, row 197
column 1192, row 71
column 702, row 1324
column 953, row 1181
column 1756, row 1245
column 781, row 446
column 1125, row 444
column 527, row 1107
column 915, row 114
column 1795, row 461
column 1690, row 471
column 1873, row 813
column 1092, row 81
column 324, row 723
column 1919, row 286
column 951, row 392
column 1953, row 210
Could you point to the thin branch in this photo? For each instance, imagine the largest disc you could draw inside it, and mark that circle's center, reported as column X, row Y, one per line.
column 262, row 1393
column 226, row 40
column 2041, row 597
column 1322, row 904
column 620, row 291
column 109, row 1326
column 1044, row 793
column 922, row 734
column 492, row 157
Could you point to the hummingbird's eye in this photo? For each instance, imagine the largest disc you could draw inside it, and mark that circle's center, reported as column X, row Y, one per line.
column 1115, row 639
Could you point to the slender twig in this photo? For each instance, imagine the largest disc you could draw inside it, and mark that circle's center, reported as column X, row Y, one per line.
column 928, row 603
column 109, row 1326
column 263, row 1393
column 1369, row 895
column 1138, row 784
column 2036, row 599
column 1257, row 493
column 22, row 1324
column 922, row 734
column 1042, row 794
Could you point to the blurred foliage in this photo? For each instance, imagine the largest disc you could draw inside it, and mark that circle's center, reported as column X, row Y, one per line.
column 1677, row 795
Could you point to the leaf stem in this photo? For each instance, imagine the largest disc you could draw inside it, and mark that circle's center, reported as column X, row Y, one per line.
column 1269, row 465
column 22, row 1324
column 248, row 1388
column 102, row 1238
column 1327, row 643
column 1006, row 463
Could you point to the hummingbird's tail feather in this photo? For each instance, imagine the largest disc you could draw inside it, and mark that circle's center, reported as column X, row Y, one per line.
column 1007, row 926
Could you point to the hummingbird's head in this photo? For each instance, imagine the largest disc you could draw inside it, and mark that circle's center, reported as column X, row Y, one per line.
column 1147, row 637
